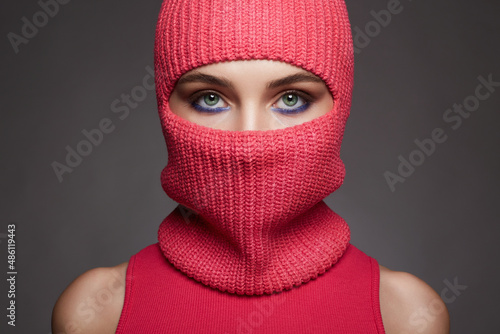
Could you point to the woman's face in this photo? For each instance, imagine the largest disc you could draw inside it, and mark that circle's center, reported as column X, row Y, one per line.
column 250, row 95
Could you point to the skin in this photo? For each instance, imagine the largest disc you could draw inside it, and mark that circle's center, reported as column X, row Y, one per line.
column 249, row 104
column 408, row 305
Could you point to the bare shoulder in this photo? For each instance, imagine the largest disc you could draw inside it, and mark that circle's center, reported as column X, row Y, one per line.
column 92, row 303
column 409, row 305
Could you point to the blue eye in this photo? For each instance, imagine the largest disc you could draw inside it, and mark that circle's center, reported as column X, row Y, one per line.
column 207, row 102
column 291, row 99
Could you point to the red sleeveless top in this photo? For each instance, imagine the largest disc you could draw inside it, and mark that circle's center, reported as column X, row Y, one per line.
column 161, row 299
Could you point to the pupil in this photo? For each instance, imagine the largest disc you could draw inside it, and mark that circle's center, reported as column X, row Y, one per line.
column 290, row 99
column 211, row 99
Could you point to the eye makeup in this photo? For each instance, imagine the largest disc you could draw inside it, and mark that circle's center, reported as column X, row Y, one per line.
column 203, row 106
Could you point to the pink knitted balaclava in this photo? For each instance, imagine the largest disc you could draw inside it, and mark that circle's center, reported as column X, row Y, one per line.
column 253, row 219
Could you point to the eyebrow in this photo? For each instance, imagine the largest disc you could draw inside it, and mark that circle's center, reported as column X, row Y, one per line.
column 210, row 79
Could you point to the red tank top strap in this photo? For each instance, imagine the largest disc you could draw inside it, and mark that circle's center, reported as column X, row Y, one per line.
column 161, row 299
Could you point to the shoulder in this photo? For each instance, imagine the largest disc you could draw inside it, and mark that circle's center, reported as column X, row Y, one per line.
column 409, row 305
column 92, row 303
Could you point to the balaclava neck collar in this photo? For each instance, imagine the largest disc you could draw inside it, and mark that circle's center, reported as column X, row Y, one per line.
column 253, row 219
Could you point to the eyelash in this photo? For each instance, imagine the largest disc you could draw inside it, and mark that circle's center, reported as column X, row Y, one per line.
column 306, row 97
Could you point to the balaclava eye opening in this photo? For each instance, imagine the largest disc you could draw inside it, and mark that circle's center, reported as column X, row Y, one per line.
column 261, row 225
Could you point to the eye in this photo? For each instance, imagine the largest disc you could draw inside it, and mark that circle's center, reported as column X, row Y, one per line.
column 208, row 102
column 289, row 103
column 292, row 102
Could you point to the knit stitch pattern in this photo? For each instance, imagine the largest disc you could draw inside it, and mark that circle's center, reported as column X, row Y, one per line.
column 257, row 223
column 312, row 34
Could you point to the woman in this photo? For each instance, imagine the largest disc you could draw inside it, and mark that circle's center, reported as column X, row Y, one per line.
column 253, row 97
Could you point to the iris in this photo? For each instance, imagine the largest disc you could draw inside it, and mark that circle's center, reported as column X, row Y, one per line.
column 207, row 101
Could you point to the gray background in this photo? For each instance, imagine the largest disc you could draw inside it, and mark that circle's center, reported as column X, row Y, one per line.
column 441, row 224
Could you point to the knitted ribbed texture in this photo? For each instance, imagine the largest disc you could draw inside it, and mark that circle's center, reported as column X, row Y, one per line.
column 312, row 34
column 159, row 299
column 262, row 225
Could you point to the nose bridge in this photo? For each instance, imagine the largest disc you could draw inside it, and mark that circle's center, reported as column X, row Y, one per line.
column 251, row 101
column 248, row 115
column 252, row 114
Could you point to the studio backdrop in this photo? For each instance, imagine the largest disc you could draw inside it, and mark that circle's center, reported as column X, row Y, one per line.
column 82, row 148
